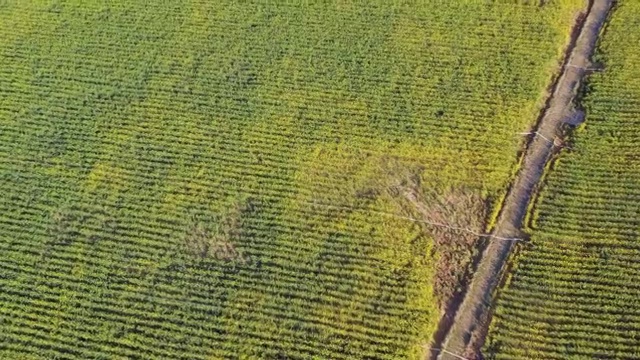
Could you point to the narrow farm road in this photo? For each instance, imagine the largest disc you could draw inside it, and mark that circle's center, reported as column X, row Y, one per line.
column 466, row 334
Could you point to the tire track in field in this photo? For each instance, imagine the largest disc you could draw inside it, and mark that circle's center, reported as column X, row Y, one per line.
column 466, row 334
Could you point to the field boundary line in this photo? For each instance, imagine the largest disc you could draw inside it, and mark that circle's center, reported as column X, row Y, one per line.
column 468, row 330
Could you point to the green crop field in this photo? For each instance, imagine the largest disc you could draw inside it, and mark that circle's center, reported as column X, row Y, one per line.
column 233, row 179
column 574, row 292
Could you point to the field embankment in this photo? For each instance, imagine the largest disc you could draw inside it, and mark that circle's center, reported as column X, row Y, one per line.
column 466, row 335
column 574, row 292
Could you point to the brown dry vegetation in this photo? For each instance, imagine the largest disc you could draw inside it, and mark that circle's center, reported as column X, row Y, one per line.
column 454, row 249
column 218, row 241
column 452, row 219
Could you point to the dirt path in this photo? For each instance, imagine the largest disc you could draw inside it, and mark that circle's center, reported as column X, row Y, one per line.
column 466, row 334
